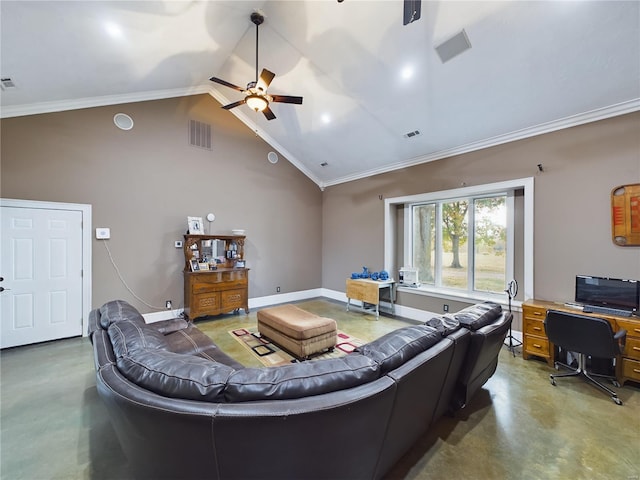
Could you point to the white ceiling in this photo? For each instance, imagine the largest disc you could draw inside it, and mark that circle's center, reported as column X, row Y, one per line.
column 533, row 67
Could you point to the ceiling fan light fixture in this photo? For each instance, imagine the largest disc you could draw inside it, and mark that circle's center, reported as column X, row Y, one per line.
column 256, row 102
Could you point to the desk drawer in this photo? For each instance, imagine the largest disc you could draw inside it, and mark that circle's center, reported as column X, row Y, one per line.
column 537, row 346
column 631, row 326
column 534, row 326
column 632, row 348
column 631, row 369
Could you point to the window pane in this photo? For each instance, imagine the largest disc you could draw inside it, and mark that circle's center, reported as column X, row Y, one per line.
column 424, row 242
column 490, row 238
column 454, row 244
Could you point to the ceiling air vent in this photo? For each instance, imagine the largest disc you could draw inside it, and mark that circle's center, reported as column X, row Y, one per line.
column 199, row 134
column 324, row 164
column 6, row 83
column 412, row 134
column 453, row 47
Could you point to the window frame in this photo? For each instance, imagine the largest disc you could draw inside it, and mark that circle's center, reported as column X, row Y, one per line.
column 509, row 187
column 470, row 243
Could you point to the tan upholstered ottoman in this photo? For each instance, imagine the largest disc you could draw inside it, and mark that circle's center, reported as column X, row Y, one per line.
column 299, row 332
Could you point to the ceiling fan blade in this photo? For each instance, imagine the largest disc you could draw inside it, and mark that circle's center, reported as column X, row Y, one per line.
column 234, row 104
column 226, row 84
column 268, row 113
column 287, row 99
column 266, row 77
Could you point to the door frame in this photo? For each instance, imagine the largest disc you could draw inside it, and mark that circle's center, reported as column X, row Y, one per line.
column 85, row 210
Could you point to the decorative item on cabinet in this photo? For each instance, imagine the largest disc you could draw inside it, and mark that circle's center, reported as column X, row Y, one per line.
column 220, row 285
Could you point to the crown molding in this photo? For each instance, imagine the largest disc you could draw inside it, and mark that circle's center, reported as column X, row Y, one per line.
column 548, row 127
column 89, row 102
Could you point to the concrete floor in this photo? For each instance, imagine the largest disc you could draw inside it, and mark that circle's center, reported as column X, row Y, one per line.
column 53, row 425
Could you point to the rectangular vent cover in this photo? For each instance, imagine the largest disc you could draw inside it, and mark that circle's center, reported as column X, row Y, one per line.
column 453, row 47
column 412, row 134
column 199, row 134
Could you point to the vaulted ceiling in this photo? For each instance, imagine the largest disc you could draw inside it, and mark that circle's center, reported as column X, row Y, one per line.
column 367, row 80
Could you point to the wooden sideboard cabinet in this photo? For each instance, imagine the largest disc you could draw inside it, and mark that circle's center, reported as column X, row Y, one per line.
column 536, row 343
column 220, row 290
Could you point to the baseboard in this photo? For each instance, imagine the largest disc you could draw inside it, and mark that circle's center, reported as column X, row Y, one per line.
column 410, row 313
column 163, row 315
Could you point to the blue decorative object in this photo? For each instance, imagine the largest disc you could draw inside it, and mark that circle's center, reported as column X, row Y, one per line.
column 365, row 273
column 384, row 275
column 355, row 275
column 374, row 276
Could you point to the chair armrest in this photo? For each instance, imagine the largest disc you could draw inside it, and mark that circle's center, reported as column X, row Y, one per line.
column 621, row 338
column 169, row 326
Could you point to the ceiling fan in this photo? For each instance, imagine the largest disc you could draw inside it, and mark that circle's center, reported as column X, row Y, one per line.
column 256, row 96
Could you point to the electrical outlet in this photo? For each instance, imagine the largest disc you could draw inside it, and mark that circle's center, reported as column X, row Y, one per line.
column 177, row 244
column 103, row 233
column 168, row 304
column 445, row 307
column 277, row 289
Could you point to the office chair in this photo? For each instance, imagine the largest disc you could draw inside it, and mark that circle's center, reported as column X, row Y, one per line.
column 587, row 336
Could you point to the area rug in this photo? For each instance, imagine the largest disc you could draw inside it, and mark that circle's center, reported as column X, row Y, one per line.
column 271, row 355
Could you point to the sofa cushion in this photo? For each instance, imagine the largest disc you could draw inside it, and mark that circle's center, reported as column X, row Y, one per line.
column 300, row 379
column 116, row 311
column 175, row 375
column 479, row 315
column 445, row 324
column 129, row 336
column 395, row 348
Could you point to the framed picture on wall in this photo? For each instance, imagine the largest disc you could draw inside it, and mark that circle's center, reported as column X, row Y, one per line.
column 195, row 225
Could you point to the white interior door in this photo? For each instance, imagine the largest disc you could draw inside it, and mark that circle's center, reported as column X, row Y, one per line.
column 41, row 265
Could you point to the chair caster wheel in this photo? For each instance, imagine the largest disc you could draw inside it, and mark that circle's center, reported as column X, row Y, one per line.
column 616, row 384
column 552, row 380
column 617, row 400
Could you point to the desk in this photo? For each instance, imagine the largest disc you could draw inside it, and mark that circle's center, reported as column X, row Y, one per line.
column 535, row 341
column 368, row 291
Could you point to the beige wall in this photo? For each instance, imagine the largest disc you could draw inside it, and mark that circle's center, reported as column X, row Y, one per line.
column 572, row 205
column 143, row 184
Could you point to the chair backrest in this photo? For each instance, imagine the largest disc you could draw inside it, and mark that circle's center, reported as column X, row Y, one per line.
column 581, row 333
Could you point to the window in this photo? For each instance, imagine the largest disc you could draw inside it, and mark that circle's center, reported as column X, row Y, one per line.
column 467, row 242
column 461, row 243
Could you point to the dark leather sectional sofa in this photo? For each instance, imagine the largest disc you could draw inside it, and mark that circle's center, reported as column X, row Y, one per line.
column 182, row 408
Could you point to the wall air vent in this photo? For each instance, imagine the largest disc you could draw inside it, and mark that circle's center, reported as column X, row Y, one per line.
column 453, row 47
column 324, row 164
column 6, row 83
column 199, row 134
column 412, row 134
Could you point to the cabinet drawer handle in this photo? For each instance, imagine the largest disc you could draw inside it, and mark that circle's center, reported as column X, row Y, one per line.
column 637, row 349
column 635, row 370
column 637, row 330
column 537, row 313
column 537, row 346
column 537, row 328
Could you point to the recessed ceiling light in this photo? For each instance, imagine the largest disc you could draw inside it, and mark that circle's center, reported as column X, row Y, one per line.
column 407, row 72
column 326, row 118
column 113, row 29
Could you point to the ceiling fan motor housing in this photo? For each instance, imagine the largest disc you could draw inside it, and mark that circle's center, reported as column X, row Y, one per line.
column 257, row 18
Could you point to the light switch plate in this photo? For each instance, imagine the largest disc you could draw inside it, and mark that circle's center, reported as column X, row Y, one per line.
column 103, row 233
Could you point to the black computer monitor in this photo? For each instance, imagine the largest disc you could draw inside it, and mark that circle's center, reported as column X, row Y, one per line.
column 608, row 292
